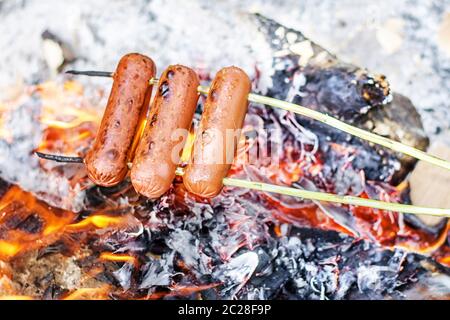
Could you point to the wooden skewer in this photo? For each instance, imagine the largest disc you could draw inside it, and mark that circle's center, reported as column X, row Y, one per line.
column 329, row 197
column 299, row 193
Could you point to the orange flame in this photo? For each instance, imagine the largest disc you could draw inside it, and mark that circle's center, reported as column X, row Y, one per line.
column 62, row 107
column 101, row 293
column 16, row 297
column 71, row 122
column 117, row 257
column 188, row 146
column 9, row 250
column 100, row 222
column 18, row 206
column 181, row 291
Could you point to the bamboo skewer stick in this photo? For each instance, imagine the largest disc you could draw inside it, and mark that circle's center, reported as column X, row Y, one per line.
column 318, row 116
column 357, row 132
column 329, row 197
column 298, row 193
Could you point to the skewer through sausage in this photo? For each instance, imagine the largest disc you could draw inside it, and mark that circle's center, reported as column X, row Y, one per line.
column 128, row 102
column 159, row 151
column 220, row 126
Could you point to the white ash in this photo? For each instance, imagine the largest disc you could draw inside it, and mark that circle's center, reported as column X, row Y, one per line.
column 369, row 277
column 236, row 273
column 123, row 275
column 158, row 273
column 192, row 33
column 188, row 246
column 19, row 165
column 436, row 287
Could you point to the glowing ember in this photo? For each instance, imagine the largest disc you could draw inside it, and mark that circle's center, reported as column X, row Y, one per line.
column 102, row 222
column 117, row 257
column 18, row 297
column 71, row 122
column 89, row 294
column 8, row 250
column 27, row 223
column 181, row 291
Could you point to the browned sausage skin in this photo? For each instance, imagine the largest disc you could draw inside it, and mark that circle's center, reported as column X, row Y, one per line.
column 106, row 162
column 215, row 142
column 158, row 153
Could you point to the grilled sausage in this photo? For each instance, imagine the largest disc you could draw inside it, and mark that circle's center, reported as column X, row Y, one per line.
column 158, row 153
column 106, row 162
column 220, row 126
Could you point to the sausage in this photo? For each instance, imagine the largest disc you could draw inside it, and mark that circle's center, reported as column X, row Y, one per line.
column 220, row 126
column 159, row 151
column 127, row 105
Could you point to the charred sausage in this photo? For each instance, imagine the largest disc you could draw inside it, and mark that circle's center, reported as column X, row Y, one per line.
column 159, row 151
column 220, row 126
column 128, row 102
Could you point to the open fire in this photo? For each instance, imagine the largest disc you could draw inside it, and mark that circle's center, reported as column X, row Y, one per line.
column 110, row 243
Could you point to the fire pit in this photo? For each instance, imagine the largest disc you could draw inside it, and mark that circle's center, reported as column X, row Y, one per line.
column 62, row 237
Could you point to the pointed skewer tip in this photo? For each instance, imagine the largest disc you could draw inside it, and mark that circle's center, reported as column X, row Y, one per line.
column 91, row 73
column 58, row 158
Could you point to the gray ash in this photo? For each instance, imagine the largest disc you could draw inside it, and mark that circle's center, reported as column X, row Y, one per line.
column 202, row 248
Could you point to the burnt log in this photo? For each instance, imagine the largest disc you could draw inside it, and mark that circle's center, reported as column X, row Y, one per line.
column 307, row 74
